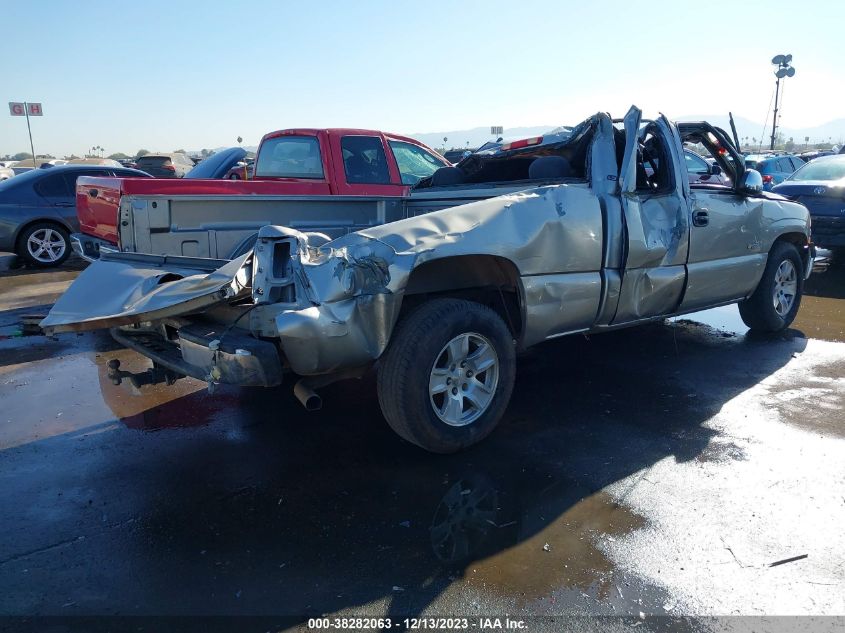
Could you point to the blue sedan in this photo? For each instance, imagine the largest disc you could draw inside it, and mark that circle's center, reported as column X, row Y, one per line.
column 820, row 186
column 775, row 168
column 38, row 211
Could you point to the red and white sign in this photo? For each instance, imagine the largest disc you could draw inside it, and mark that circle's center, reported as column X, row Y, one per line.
column 22, row 109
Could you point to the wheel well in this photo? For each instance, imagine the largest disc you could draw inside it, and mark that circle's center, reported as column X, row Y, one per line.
column 23, row 228
column 486, row 279
column 799, row 240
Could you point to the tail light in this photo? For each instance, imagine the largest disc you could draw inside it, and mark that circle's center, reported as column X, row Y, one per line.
column 767, row 179
column 169, row 168
column 524, row 143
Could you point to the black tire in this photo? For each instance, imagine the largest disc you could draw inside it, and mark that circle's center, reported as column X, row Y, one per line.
column 758, row 311
column 416, row 345
column 57, row 231
column 234, row 177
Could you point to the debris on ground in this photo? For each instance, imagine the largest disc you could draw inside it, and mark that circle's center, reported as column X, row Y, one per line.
column 30, row 324
column 788, row 560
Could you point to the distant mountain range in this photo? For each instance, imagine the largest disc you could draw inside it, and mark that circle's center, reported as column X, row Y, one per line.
column 833, row 131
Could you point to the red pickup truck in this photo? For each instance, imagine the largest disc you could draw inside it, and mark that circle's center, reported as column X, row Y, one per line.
column 296, row 162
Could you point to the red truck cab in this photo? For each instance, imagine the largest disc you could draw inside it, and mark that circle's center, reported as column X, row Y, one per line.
column 294, row 162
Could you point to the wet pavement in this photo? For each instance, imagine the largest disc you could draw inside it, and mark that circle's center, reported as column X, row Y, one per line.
column 659, row 470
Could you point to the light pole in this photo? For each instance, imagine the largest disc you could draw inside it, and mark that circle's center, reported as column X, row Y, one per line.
column 783, row 70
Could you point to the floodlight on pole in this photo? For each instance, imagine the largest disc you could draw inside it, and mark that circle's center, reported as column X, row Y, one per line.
column 784, row 69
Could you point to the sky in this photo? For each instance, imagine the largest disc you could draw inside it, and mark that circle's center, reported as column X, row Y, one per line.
column 165, row 75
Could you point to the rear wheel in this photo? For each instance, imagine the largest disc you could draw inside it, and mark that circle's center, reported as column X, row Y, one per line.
column 447, row 376
column 44, row 244
column 776, row 300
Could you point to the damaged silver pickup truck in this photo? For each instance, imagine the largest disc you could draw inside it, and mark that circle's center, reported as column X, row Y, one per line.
column 441, row 302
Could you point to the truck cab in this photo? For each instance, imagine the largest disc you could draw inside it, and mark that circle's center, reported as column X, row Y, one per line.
column 345, row 161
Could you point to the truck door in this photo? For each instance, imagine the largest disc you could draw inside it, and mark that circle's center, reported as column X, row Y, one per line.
column 654, row 191
column 726, row 253
column 361, row 166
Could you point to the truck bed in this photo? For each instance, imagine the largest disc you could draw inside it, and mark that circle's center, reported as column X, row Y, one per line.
column 225, row 226
column 97, row 198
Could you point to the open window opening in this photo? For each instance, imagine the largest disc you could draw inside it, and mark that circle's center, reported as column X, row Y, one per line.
column 654, row 172
column 712, row 145
column 560, row 156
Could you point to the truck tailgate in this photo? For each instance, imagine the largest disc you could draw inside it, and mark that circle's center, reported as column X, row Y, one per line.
column 98, row 198
column 125, row 288
column 97, row 202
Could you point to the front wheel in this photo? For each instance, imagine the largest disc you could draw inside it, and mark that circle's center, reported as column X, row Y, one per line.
column 776, row 300
column 447, row 376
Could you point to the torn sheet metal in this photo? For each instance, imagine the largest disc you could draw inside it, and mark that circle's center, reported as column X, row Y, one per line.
column 355, row 284
column 126, row 288
column 556, row 228
column 657, row 228
column 628, row 170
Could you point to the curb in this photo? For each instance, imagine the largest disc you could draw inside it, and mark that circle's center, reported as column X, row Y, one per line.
column 8, row 262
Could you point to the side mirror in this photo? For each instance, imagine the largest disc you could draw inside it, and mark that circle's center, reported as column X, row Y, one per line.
column 751, row 182
column 715, row 169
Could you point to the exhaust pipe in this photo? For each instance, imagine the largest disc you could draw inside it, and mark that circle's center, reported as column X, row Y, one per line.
column 307, row 396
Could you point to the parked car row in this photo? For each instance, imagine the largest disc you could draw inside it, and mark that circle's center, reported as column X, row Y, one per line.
column 38, row 210
column 175, row 165
column 820, row 186
column 775, row 168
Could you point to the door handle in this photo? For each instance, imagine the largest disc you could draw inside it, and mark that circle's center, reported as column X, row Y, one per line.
column 700, row 218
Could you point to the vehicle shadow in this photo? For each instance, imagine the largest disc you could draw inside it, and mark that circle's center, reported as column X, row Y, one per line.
column 18, row 347
column 271, row 510
column 333, row 512
column 21, row 268
column 829, row 283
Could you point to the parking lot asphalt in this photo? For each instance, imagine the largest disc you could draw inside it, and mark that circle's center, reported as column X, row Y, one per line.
column 668, row 469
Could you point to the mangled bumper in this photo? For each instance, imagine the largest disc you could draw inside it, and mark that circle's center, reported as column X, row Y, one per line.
column 89, row 248
column 210, row 354
column 284, row 305
column 343, row 305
